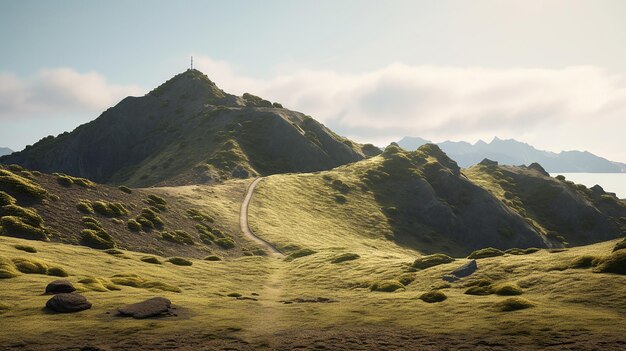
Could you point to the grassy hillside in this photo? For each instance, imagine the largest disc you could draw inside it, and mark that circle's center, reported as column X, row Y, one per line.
column 188, row 131
column 565, row 305
column 77, row 211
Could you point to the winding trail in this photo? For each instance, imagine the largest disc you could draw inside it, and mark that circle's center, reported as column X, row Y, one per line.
column 245, row 227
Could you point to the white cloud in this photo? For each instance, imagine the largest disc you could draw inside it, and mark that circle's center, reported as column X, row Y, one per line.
column 58, row 91
column 578, row 107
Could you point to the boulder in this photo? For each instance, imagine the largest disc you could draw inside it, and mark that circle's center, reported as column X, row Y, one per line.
column 463, row 271
column 68, row 303
column 488, row 162
column 60, row 286
column 149, row 308
column 537, row 167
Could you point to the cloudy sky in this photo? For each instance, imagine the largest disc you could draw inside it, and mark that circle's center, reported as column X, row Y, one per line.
column 548, row 72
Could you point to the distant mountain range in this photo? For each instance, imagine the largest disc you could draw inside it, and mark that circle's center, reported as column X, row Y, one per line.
column 513, row 152
column 5, row 151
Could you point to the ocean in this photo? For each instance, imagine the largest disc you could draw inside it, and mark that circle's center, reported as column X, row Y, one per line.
column 611, row 182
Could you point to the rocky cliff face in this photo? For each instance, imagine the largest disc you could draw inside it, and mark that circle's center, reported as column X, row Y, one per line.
column 189, row 131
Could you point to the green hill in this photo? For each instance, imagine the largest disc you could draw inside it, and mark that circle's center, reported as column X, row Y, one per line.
column 189, row 131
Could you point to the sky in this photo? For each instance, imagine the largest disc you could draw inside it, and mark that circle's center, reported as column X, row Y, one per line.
column 551, row 73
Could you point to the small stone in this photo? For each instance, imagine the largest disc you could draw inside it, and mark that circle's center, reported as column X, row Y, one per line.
column 68, row 303
column 148, row 308
column 60, row 286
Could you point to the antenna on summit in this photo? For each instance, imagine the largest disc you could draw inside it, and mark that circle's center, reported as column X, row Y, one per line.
column 191, row 63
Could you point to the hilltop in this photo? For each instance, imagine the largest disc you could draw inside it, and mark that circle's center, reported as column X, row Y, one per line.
column 513, row 152
column 5, row 151
column 188, row 131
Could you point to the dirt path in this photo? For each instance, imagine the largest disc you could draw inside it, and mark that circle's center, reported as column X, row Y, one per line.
column 245, row 228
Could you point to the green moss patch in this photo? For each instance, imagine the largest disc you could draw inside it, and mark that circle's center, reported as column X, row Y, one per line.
column 433, row 296
column 299, row 253
column 386, row 286
column 67, row 181
column 6, row 199
column 213, row 258
column 135, row 281
column 157, row 202
column 30, row 266
column 406, row 279
column 98, row 284
column 516, row 251
column 57, row 272
column 7, row 269
column 620, row 245
column 179, row 261
column 585, row 261
column 84, row 206
column 96, row 239
column 431, row 261
column 513, row 304
column 109, row 209
column 178, row 236
column 485, row 253
column 506, row 289
column 345, row 257
column 479, row 290
column 225, row 243
column 125, row 189
column 19, row 184
column 16, row 227
column 26, row 248
column 133, row 225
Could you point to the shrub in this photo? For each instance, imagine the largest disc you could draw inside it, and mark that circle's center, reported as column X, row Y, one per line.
column 507, row 289
column 125, row 189
column 225, row 243
column 7, row 269
column 620, row 245
column 6, row 199
column 585, row 261
column 25, row 248
column 406, row 279
column 96, row 239
column 27, row 215
column 150, row 259
column 299, row 253
column 486, row 252
column 212, row 258
column 386, row 286
column 145, row 223
column 84, row 206
column 30, row 266
column 57, row 272
column 91, row 223
column 133, row 225
column 148, row 215
column 178, row 237
column 613, row 263
column 516, row 251
column 345, row 257
column 199, row 216
column 157, row 202
column 109, row 209
column 513, row 304
column 22, row 185
column 179, row 261
column 15, row 227
column 431, row 261
column 64, row 180
column 433, row 296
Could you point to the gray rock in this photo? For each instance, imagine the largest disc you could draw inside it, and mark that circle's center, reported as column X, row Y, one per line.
column 68, row 303
column 60, row 286
column 463, row 271
column 149, row 308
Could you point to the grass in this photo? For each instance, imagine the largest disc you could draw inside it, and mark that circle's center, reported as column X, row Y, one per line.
column 585, row 261
column 6, row 199
column 299, row 253
column 479, row 290
column 179, row 261
column 178, row 237
column 14, row 182
column 387, row 286
column 431, row 261
column 98, row 284
column 613, row 263
column 517, row 251
column 513, row 304
column 26, row 248
column 109, row 209
column 345, row 257
column 67, row 181
column 135, row 281
column 16, row 227
column 57, row 272
column 620, row 245
column 485, row 253
column 506, row 289
column 96, row 239
column 433, row 296
column 30, row 266
column 84, row 206
column 27, row 215
column 7, row 269
column 133, row 225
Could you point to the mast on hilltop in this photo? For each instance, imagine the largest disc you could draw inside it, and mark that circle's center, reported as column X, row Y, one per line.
column 191, row 63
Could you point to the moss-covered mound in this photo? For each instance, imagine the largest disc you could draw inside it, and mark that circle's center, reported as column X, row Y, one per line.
column 150, row 259
column 7, row 269
column 135, row 281
column 386, row 286
column 486, row 252
column 26, row 248
column 431, row 261
column 513, row 304
column 179, row 261
column 506, row 289
column 433, row 296
column 345, row 257
column 299, row 253
column 517, row 251
column 613, row 263
column 620, row 245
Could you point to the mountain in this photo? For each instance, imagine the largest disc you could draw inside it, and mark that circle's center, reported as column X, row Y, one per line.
column 5, row 151
column 423, row 201
column 189, row 131
column 513, row 152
